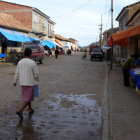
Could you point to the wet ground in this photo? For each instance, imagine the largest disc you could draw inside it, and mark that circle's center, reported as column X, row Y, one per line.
column 74, row 117
column 70, row 103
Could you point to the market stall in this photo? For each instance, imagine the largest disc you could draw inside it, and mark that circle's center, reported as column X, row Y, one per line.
column 135, row 76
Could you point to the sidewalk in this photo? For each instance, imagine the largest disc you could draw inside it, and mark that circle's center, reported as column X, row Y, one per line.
column 124, row 108
column 5, row 64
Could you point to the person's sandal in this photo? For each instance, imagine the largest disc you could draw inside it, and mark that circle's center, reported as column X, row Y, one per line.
column 19, row 114
column 31, row 112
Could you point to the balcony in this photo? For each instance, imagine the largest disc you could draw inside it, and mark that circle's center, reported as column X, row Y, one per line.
column 51, row 34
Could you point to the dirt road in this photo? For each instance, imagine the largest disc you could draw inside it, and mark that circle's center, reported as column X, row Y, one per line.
column 69, row 107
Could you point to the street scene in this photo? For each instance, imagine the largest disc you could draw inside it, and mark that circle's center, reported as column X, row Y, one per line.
column 69, row 106
column 69, row 70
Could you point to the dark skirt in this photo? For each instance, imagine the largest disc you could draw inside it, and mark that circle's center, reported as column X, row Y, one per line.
column 27, row 93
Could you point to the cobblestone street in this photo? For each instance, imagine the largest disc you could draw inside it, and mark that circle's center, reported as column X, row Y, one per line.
column 70, row 103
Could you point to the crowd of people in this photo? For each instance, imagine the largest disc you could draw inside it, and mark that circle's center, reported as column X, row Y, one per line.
column 56, row 51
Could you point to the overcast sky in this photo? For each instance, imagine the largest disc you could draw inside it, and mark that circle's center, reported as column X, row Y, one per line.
column 79, row 19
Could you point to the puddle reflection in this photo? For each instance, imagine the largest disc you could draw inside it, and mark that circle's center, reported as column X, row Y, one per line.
column 62, row 117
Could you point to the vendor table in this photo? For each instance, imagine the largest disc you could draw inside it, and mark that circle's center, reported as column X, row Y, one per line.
column 135, row 77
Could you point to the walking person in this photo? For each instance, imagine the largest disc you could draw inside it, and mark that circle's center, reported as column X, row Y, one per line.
column 84, row 54
column 28, row 75
column 50, row 53
column 56, row 53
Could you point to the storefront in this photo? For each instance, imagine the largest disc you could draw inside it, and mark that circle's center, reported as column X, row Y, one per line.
column 11, row 39
column 129, row 38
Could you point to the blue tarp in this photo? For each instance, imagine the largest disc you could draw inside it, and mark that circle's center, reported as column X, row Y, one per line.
column 14, row 36
column 34, row 39
column 136, row 78
column 2, row 55
column 49, row 44
column 137, row 62
column 31, row 39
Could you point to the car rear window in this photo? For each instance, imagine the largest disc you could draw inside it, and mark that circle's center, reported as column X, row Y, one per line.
column 96, row 50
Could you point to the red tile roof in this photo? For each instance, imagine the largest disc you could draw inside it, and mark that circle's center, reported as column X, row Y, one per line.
column 10, row 22
column 60, row 37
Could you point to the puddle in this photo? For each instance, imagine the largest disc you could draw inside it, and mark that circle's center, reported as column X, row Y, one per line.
column 62, row 117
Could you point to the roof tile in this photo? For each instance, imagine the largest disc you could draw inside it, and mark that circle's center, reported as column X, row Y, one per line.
column 9, row 21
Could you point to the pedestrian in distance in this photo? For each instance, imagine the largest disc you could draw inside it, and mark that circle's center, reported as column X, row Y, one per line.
column 127, row 65
column 50, row 53
column 46, row 51
column 56, row 53
column 27, row 74
column 84, row 54
column 68, row 52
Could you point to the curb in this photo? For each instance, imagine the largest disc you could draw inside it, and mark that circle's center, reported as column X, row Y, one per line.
column 105, row 110
column 6, row 64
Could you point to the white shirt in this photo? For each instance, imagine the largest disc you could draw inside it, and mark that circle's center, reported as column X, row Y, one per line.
column 26, row 72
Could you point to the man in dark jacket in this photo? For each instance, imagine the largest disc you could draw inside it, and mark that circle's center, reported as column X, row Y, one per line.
column 56, row 53
column 128, row 64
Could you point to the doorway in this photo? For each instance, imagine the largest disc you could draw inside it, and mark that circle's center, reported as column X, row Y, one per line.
column 4, row 46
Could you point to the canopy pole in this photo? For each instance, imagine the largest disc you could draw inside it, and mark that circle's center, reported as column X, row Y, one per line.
column 111, row 59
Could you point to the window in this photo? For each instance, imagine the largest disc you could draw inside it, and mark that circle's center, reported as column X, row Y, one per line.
column 35, row 18
column 43, row 22
column 49, row 27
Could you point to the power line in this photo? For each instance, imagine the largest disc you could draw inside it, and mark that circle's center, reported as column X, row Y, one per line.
column 74, row 10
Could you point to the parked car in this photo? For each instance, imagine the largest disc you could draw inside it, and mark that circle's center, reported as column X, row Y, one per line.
column 90, row 49
column 96, row 53
column 37, row 52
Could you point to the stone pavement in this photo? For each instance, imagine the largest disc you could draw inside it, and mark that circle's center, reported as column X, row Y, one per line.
column 5, row 64
column 123, row 109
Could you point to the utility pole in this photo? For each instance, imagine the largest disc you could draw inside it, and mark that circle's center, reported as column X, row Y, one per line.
column 96, row 41
column 101, row 28
column 111, row 59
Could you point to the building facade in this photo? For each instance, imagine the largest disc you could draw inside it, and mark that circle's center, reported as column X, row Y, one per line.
column 74, row 45
column 51, row 35
column 134, row 42
column 32, row 18
column 11, row 27
column 116, row 48
column 125, row 15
